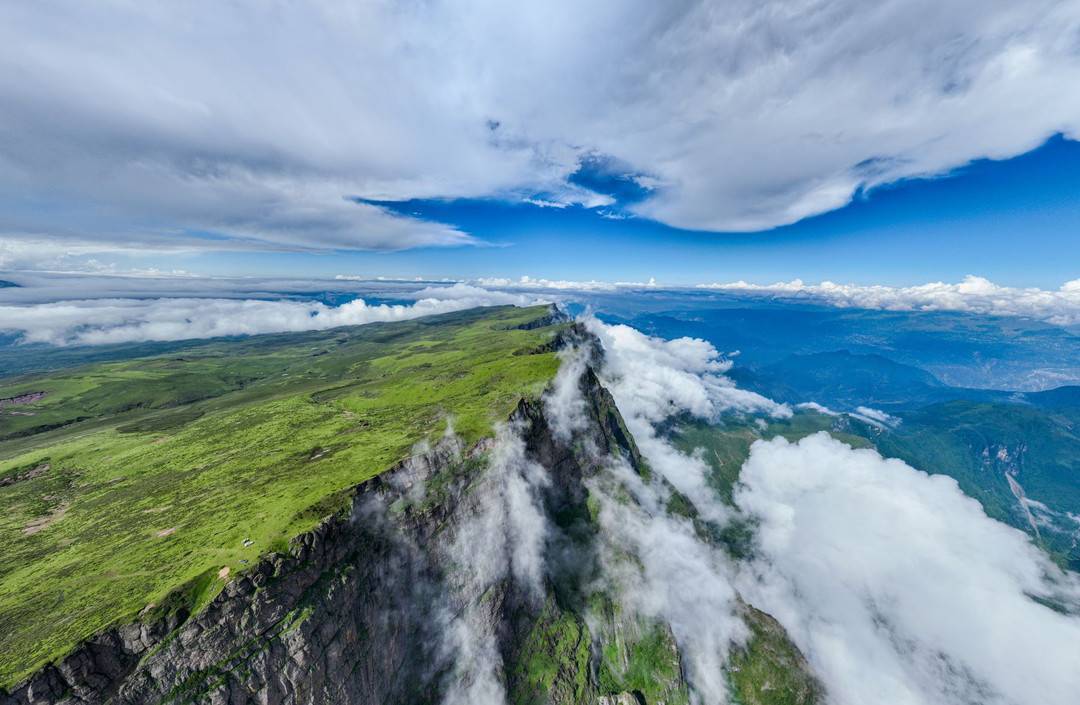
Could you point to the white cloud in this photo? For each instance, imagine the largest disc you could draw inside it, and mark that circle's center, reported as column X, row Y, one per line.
column 471, row 296
column 527, row 282
column 820, row 408
column 875, row 417
column 50, row 286
column 898, row 588
column 655, row 564
column 653, row 380
column 564, row 405
column 541, row 203
column 260, row 123
column 973, row 294
column 101, row 321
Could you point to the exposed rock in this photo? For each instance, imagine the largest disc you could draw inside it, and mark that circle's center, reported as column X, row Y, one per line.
column 552, row 317
column 20, row 399
column 36, row 471
column 622, row 699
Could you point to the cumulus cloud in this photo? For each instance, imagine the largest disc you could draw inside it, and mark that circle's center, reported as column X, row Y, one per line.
column 897, row 586
column 472, row 296
column 973, row 294
column 820, row 408
column 653, row 380
column 102, row 321
column 875, row 417
column 675, row 576
column 161, row 125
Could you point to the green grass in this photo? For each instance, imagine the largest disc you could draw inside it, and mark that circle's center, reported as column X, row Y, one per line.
column 637, row 655
column 159, row 468
column 768, row 669
column 553, row 662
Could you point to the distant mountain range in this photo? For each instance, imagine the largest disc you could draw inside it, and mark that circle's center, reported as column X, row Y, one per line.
column 958, row 349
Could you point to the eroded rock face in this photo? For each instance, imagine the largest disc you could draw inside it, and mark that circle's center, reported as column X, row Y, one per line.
column 19, row 400
column 352, row 613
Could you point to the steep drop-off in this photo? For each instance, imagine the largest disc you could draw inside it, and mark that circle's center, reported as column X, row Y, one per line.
column 460, row 575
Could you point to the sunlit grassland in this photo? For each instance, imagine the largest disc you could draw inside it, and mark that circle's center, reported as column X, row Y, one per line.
column 160, row 469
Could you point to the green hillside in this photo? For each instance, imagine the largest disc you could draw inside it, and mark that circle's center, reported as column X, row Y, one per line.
column 127, row 480
column 979, row 444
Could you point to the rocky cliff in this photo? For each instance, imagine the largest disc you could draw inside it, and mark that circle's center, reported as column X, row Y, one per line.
column 461, row 575
column 352, row 612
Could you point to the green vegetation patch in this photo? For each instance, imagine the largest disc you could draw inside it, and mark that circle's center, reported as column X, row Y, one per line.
column 637, row 656
column 131, row 481
column 553, row 662
column 768, row 669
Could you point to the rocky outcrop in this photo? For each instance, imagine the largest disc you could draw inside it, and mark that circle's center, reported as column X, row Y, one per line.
column 552, row 317
column 18, row 400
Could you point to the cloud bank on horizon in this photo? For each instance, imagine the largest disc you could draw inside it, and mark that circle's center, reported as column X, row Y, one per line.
column 105, row 321
column 973, row 295
column 125, row 310
column 157, row 131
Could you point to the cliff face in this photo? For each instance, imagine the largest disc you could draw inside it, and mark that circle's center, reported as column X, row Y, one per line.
column 460, row 576
column 354, row 612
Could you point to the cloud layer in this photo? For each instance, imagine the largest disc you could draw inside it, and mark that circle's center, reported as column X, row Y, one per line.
column 103, row 321
column 973, row 294
column 653, row 379
column 897, row 586
column 206, row 126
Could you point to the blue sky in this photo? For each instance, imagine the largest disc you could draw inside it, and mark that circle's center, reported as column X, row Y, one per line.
column 765, row 142
column 1015, row 221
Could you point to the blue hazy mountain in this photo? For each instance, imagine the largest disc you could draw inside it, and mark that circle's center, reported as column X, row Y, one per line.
column 844, row 380
column 958, row 349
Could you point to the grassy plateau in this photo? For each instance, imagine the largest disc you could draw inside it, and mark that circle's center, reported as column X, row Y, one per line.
column 125, row 481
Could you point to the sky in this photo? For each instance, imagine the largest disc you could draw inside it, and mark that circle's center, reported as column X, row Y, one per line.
column 893, row 143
